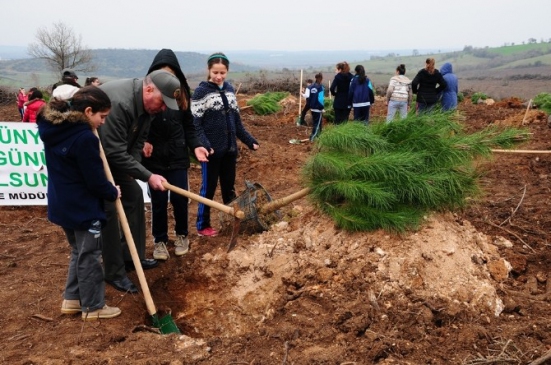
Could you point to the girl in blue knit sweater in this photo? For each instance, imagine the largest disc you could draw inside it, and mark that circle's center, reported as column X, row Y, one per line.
column 218, row 123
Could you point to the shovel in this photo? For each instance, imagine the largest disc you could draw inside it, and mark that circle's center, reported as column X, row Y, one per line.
column 298, row 141
column 166, row 324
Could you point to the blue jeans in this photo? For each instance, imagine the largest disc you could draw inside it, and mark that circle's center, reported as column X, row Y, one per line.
column 159, row 205
column 396, row 106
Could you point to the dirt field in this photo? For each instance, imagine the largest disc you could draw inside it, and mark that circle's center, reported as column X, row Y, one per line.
column 470, row 287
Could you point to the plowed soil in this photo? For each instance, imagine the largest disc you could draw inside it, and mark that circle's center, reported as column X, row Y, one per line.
column 470, row 287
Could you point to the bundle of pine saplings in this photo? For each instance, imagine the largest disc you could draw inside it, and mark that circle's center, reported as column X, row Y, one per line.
column 390, row 175
column 268, row 103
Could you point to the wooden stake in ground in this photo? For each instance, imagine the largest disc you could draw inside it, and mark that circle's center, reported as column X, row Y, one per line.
column 527, row 109
column 300, row 95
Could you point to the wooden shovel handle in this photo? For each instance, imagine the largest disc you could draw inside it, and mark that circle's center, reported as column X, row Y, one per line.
column 211, row 203
column 278, row 203
column 129, row 239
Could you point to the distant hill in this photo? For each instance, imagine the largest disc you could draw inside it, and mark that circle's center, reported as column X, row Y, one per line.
column 494, row 70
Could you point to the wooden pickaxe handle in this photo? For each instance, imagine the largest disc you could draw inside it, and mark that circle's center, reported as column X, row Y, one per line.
column 278, row 203
column 211, row 203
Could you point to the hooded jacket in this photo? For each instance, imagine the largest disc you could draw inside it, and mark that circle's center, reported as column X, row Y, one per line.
column 339, row 89
column 399, row 89
column 216, row 117
column 449, row 95
column 428, row 87
column 77, row 184
column 172, row 132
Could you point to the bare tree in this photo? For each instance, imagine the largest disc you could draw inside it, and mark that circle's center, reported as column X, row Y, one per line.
column 61, row 48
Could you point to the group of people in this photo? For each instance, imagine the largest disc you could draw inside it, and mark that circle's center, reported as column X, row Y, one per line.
column 29, row 103
column 356, row 92
column 145, row 128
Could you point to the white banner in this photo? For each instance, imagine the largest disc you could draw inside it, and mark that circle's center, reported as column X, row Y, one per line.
column 23, row 170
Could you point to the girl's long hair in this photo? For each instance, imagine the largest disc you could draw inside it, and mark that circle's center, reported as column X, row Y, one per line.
column 360, row 71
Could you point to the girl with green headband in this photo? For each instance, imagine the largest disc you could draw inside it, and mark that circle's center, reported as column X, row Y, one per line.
column 218, row 123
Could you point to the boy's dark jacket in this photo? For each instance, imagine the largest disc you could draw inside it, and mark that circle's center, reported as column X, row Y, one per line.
column 172, row 132
column 77, row 184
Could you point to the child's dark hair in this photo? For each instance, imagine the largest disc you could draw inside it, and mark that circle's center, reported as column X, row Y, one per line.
column 88, row 96
column 401, row 69
column 309, row 81
column 318, row 77
column 360, row 71
column 89, row 80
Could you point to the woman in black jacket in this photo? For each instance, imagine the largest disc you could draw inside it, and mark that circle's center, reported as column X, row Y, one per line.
column 339, row 89
column 428, row 84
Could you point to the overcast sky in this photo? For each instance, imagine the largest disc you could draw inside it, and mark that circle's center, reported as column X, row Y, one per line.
column 292, row 25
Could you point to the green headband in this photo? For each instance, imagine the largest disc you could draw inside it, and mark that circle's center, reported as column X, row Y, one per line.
column 218, row 55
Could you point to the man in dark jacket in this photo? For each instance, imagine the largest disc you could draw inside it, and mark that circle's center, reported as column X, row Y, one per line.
column 134, row 104
column 166, row 153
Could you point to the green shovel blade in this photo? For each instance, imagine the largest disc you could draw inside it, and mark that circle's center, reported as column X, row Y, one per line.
column 165, row 325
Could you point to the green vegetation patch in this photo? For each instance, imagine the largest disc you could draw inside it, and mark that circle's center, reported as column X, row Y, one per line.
column 268, row 103
column 543, row 102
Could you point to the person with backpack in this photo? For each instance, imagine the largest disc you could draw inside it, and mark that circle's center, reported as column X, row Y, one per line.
column 398, row 94
column 315, row 101
column 361, row 95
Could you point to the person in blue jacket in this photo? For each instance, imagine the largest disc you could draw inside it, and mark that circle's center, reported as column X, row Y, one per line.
column 361, row 95
column 315, row 101
column 449, row 94
column 77, row 188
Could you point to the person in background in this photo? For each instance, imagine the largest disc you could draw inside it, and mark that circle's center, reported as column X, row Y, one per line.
column 339, row 89
column 428, row 85
column 77, row 187
column 21, row 99
column 361, row 95
column 316, row 103
column 398, row 94
column 92, row 81
column 135, row 104
column 166, row 153
column 36, row 102
column 218, row 122
column 449, row 94
column 68, row 77
column 305, row 93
